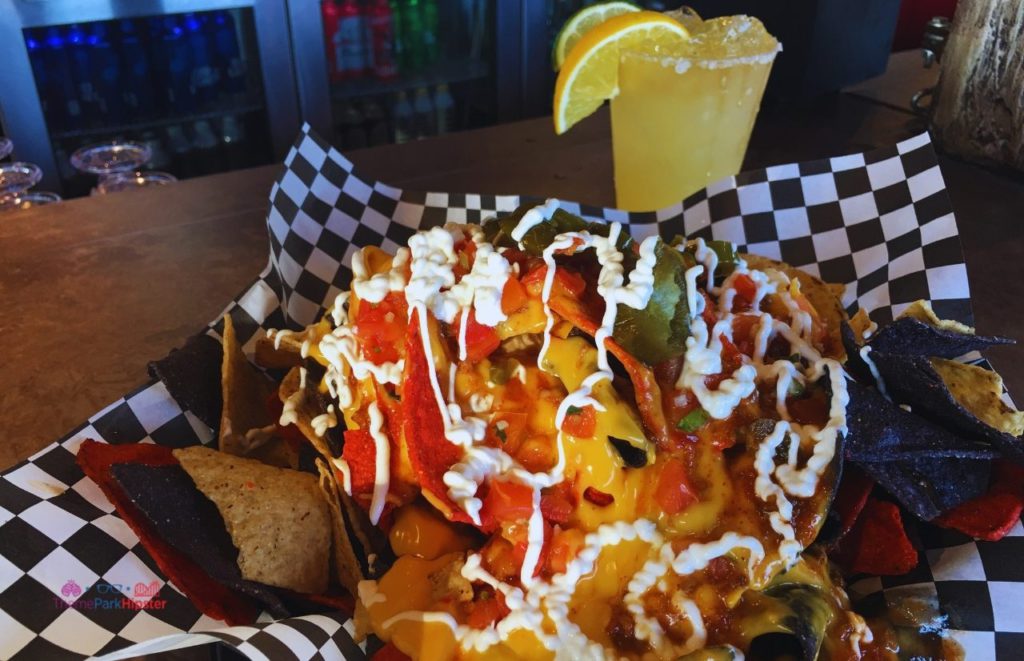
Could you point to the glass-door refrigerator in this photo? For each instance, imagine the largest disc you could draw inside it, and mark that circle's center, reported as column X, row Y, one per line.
column 208, row 85
column 373, row 72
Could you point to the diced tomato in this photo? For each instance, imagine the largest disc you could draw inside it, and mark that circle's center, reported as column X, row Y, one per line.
column 674, row 492
column 507, row 502
column 731, row 361
column 513, row 296
column 380, row 328
column 580, row 421
column 709, row 310
column 497, row 558
column 565, row 545
column 598, row 497
column 466, row 251
column 536, row 454
column 486, row 609
column 746, row 290
column 481, row 341
column 507, row 429
column 566, row 281
column 557, row 503
column 722, row 434
column 743, row 329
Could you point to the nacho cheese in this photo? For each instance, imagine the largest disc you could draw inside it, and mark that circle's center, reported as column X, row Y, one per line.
column 551, row 492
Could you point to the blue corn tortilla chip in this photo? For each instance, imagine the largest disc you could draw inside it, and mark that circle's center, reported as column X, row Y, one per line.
column 930, row 487
column 192, row 377
column 190, row 522
column 912, row 380
column 878, row 430
column 910, row 337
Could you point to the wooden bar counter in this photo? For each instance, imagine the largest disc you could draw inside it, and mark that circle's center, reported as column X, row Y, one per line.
column 92, row 289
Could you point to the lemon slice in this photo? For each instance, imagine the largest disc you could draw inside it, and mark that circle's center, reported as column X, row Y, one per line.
column 590, row 74
column 583, row 22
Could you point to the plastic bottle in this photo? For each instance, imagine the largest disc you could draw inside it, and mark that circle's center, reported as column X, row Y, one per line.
column 233, row 143
column 431, row 36
column 105, row 70
column 203, row 76
column 331, row 13
column 402, row 117
column 375, row 124
column 380, row 24
column 349, row 41
column 424, row 113
column 412, row 36
column 206, row 149
column 444, row 109
column 137, row 91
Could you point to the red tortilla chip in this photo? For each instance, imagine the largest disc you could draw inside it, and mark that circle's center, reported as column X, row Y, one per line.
column 878, row 544
column 390, row 653
column 360, row 453
column 992, row 515
column 854, row 490
column 209, row 596
column 645, row 386
column 430, row 452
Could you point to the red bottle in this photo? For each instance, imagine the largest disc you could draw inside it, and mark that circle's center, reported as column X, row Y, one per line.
column 382, row 40
column 349, row 41
column 331, row 14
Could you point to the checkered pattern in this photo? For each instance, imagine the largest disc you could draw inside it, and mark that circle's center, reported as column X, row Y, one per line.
column 878, row 222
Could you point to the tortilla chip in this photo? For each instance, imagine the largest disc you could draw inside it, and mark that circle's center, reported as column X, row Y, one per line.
column 980, row 391
column 209, row 596
column 851, row 498
column 993, row 515
column 192, row 376
column 912, row 337
column 860, row 322
column 308, row 407
column 246, row 426
column 284, row 349
column 826, row 298
column 922, row 311
column 277, row 518
column 346, row 564
column 878, row 543
column 930, row 487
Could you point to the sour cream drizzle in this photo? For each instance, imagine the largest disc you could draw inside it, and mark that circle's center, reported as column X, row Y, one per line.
column 382, row 464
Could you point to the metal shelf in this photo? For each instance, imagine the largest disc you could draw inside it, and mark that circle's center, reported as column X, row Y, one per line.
column 444, row 72
column 157, row 122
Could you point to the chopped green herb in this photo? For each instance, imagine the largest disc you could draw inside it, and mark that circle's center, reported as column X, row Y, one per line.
column 693, row 420
column 796, row 388
column 501, row 434
column 794, row 358
column 573, row 410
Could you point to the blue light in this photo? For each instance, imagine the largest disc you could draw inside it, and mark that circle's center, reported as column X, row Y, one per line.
column 31, row 43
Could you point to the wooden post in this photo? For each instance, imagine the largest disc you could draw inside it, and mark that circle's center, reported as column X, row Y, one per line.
column 979, row 104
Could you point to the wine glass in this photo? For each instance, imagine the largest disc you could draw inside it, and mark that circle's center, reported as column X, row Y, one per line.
column 18, row 177
column 126, row 181
column 6, row 147
column 27, row 200
column 110, row 157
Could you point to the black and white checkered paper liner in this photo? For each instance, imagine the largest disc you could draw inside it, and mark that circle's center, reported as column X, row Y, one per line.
column 879, row 222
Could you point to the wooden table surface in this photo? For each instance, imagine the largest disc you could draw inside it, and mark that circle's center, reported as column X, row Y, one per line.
column 94, row 288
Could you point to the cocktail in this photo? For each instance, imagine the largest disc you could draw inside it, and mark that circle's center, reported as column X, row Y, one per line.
column 684, row 96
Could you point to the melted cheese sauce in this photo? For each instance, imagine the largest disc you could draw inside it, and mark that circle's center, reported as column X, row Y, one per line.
column 630, row 551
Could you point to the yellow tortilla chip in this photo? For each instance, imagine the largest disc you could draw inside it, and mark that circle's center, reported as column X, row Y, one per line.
column 277, row 518
column 306, row 408
column 922, row 311
column 860, row 323
column 346, row 565
column 980, row 391
column 285, row 348
column 826, row 298
column 244, row 392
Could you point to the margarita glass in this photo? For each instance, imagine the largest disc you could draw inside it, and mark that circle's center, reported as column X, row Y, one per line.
column 683, row 115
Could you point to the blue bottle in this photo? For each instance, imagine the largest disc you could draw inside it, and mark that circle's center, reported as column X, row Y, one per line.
column 137, row 90
column 203, row 77
column 105, row 69
column 178, row 58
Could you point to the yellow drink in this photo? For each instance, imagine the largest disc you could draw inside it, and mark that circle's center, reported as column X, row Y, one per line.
column 682, row 119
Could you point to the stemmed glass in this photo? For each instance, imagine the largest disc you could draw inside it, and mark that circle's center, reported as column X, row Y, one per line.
column 126, row 181
column 27, row 200
column 18, row 177
column 111, row 157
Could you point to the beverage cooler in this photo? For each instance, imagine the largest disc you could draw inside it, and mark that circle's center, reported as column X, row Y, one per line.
column 373, row 72
column 207, row 85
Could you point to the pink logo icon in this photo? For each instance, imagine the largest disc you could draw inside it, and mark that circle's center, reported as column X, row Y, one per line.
column 71, row 589
column 143, row 590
